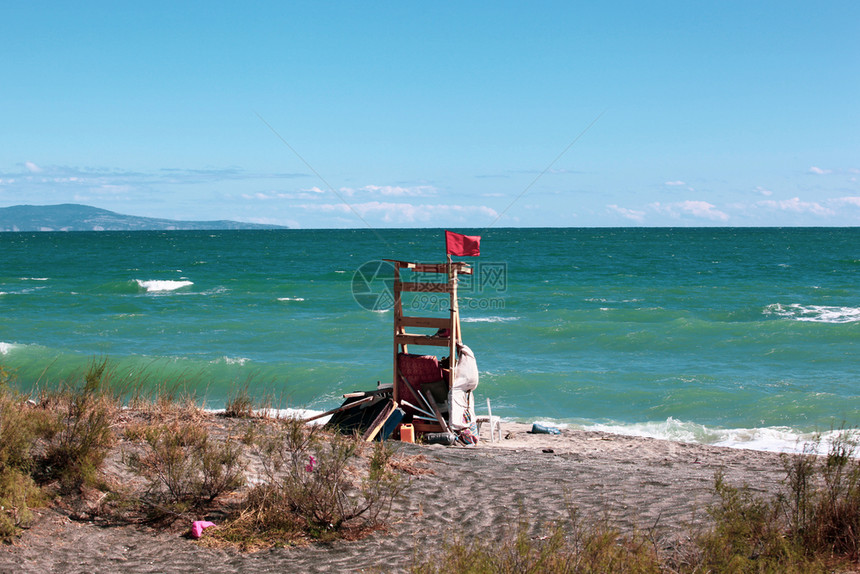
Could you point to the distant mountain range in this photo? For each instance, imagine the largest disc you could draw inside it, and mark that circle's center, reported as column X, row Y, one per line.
column 73, row 217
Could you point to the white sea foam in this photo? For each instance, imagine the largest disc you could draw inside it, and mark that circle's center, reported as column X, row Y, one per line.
column 488, row 319
column 230, row 360
column 771, row 439
column 5, row 348
column 815, row 313
column 291, row 298
column 162, row 285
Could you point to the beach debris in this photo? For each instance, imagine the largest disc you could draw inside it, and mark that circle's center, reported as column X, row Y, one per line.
column 198, row 526
column 509, row 435
column 309, row 467
column 548, row 450
column 544, row 429
column 372, row 414
column 346, row 406
column 446, row 438
column 389, row 417
column 407, row 432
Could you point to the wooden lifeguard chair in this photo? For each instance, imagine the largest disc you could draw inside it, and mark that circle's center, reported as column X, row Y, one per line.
column 420, row 390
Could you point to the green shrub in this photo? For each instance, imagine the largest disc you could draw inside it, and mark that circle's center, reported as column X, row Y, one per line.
column 19, row 426
column 824, row 497
column 315, row 485
column 572, row 547
column 240, row 405
column 79, row 439
column 184, row 467
column 750, row 535
column 18, row 493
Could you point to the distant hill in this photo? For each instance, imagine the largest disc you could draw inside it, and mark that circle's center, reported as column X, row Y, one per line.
column 73, row 217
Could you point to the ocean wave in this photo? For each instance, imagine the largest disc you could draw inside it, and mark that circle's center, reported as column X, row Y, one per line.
column 162, row 285
column 291, row 298
column 5, row 348
column 769, row 439
column 487, row 319
column 815, row 313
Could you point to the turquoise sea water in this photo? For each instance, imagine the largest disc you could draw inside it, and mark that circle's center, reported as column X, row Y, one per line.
column 727, row 336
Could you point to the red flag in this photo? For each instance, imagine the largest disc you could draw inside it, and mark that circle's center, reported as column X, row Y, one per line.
column 462, row 245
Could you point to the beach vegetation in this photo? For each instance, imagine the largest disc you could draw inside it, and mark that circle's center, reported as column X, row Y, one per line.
column 811, row 526
column 80, row 436
column 20, row 424
column 315, row 485
column 749, row 534
column 184, row 468
column 823, row 498
column 240, row 404
column 573, row 546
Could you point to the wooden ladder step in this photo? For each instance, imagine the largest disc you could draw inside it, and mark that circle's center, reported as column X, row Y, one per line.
column 427, row 322
column 413, row 339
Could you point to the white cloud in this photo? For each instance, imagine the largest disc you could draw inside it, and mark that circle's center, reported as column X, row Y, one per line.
column 32, row 167
column 819, row 171
column 853, row 201
column 632, row 214
column 259, row 195
column 679, row 183
column 694, row 208
column 311, row 193
column 402, row 213
column 797, row 206
column 763, row 191
column 392, row 190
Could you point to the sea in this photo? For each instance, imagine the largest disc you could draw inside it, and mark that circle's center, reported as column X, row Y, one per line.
column 743, row 337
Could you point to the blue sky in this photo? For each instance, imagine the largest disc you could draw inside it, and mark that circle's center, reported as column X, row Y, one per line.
column 444, row 114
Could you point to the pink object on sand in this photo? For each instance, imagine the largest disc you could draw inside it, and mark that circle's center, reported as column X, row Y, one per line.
column 198, row 526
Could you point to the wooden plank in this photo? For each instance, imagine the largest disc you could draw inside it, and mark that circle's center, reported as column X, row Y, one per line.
column 460, row 266
column 400, row 264
column 413, row 287
column 339, row 409
column 425, row 427
column 430, row 416
column 415, row 394
column 379, row 421
column 436, row 412
column 398, row 313
column 440, row 268
column 413, row 339
column 426, row 322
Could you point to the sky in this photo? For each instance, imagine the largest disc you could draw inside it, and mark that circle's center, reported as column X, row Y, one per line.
column 444, row 114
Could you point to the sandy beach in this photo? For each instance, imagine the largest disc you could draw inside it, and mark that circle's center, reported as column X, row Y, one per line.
column 634, row 483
